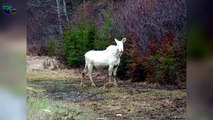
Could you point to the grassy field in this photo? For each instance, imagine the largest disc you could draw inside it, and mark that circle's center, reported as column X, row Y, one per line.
column 57, row 95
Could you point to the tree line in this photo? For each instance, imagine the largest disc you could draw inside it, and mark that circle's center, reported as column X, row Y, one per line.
column 155, row 32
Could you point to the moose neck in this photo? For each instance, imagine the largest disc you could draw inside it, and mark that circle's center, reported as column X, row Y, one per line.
column 120, row 51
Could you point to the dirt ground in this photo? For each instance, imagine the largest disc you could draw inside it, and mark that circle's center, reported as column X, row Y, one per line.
column 57, row 95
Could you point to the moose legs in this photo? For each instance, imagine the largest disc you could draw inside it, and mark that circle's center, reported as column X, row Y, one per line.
column 88, row 69
column 112, row 74
column 112, row 70
column 84, row 72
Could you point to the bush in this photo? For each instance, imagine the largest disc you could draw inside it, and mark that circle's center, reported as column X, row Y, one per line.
column 164, row 61
column 51, row 48
column 123, row 69
column 130, row 66
column 86, row 34
column 76, row 41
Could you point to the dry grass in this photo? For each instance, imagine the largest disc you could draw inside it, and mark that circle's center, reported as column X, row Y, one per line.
column 53, row 75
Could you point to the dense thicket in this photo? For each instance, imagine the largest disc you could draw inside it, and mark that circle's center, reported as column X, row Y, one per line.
column 155, row 32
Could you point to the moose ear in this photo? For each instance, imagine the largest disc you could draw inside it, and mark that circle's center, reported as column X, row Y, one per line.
column 124, row 40
column 116, row 40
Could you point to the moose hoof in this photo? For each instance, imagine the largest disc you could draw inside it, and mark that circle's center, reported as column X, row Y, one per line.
column 94, row 85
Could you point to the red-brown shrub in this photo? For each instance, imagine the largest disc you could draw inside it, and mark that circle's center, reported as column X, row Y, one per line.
column 164, row 62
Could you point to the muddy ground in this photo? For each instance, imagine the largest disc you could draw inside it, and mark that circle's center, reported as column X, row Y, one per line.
column 57, row 95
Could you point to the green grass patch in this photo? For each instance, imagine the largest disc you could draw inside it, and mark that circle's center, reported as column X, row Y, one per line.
column 42, row 109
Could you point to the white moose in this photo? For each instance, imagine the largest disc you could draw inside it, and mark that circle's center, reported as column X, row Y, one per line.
column 108, row 57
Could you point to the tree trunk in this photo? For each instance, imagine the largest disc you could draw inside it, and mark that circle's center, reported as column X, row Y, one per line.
column 59, row 15
column 65, row 12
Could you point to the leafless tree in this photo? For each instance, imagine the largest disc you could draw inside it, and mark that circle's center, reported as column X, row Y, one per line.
column 142, row 17
column 59, row 15
column 65, row 12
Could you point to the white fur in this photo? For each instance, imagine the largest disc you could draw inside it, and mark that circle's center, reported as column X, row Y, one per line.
column 108, row 57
